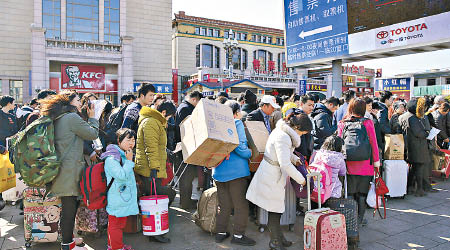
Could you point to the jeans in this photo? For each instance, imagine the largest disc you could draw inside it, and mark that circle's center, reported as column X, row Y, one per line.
column 68, row 213
column 231, row 194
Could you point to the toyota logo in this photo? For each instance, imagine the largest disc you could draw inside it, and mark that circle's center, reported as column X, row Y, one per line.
column 382, row 34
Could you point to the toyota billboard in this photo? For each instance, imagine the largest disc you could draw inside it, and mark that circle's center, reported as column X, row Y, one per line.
column 322, row 30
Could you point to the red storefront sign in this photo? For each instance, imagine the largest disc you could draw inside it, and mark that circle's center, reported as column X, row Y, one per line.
column 84, row 77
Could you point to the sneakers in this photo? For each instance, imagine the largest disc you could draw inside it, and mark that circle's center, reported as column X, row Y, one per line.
column 243, row 241
column 125, row 247
column 221, row 237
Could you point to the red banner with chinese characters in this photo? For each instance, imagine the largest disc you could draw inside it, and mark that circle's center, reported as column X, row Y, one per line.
column 83, row 77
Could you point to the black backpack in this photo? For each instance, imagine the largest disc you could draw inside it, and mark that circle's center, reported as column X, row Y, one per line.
column 357, row 144
column 114, row 124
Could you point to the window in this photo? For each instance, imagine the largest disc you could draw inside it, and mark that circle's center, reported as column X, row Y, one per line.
column 216, row 33
column 281, row 61
column 244, row 59
column 278, row 41
column 261, row 55
column 82, row 20
column 282, row 41
column 239, row 59
column 431, row 82
column 243, row 37
column 253, row 38
column 112, row 21
column 51, row 18
column 210, row 32
column 269, row 40
column 217, row 49
column 416, row 83
column 15, row 90
column 197, row 56
column 447, row 81
column 203, row 31
column 225, row 34
column 207, row 56
column 197, row 30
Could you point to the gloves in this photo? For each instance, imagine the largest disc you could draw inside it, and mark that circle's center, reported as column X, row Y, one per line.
column 154, row 173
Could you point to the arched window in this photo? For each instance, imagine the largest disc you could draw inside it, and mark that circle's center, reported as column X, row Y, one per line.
column 281, row 62
column 239, row 59
column 207, row 55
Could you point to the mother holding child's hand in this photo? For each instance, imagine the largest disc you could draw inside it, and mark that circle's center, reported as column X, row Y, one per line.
column 267, row 189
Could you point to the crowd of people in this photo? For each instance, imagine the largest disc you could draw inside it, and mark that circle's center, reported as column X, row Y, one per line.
column 139, row 138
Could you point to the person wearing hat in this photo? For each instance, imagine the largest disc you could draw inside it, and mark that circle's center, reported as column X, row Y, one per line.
column 250, row 104
column 266, row 108
column 399, row 109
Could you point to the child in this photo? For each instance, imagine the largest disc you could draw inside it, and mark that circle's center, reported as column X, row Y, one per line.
column 122, row 196
column 330, row 154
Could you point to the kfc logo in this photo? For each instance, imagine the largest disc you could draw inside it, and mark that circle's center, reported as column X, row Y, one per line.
column 73, row 72
column 83, row 77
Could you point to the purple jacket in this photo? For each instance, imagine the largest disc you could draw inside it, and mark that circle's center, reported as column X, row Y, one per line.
column 336, row 161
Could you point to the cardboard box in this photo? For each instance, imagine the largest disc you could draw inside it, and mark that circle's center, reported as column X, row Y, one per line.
column 257, row 136
column 209, row 134
column 395, row 147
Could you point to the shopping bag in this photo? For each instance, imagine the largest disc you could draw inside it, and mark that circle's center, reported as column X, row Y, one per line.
column 395, row 147
column 7, row 174
column 372, row 197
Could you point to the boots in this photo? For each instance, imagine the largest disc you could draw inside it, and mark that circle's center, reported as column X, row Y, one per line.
column 276, row 236
column 361, row 210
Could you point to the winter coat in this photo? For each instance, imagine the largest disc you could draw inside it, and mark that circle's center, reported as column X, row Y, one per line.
column 184, row 110
column 307, row 143
column 237, row 165
column 364, row 167
column 275, row 117
column 267, row 188
column 247, row 109
column 257, row 115
column 415, row 133
column 323, row 124
column 396, row 128
column 122, row 196
column 440, row 121
column 9, row 126
column 340, row 113
column 131, row 116
column 151, row 143
column 336, row 161
column 383, row 119
column 70, row 132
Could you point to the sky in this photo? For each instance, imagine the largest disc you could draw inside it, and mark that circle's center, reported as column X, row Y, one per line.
column 269, row 13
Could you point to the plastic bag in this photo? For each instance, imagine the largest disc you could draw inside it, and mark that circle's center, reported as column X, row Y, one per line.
column 372, row 196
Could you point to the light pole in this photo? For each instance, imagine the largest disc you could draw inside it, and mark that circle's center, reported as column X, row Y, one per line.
column 229, row 45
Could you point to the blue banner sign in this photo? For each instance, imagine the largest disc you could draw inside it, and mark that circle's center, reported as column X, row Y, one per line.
column 302, row 87
column 160, row 88
column 393, row 84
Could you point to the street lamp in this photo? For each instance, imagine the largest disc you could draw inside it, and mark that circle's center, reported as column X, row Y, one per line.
column 229, row 45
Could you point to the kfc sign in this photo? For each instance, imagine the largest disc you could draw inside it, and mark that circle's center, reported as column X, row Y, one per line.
column 83, row 77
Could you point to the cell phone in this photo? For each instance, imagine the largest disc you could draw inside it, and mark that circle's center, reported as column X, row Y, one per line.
column 90, row 104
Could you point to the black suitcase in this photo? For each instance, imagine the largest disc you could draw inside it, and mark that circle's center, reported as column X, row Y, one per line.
column 349, row 208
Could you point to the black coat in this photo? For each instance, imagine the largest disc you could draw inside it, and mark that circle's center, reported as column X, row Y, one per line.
column 184, row 110
column 396, row 128
column 440, row 122
column 323, row 124
column 9, row 126
column 383, row 119
column 255, row 115
column 415, row 133
column 306, row 144
column 247, row 109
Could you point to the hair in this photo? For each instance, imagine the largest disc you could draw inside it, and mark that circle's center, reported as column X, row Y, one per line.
column 421, row 107
column 85, row 104
column 306, row 98
column 33, row 102
column 197, row 95
column 221, row 99
column 444, row 107
column 333, row 143
column 168, row 106
column 125, row 133
column 5, row 100
column 357, row 107
column 44, row 93
column 211, row 98
column 299, row 122
column 241, row 97
column 127, row 97
column 295, row 97
column 58, row 104
column 333, row 100
column 367, row 100
column 145, row 88
column 158, row 97
column 234, row 105
column 376, row 105
column 348, row 95
column 385, row 95
column 397, row 105
column 285, row 98
column 104, row 117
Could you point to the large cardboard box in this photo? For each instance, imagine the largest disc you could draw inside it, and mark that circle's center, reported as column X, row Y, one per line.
column 395, row 147
column 209, row 134
column 257, row 136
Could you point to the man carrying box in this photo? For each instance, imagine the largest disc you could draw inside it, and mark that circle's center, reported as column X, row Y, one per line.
column 266, row 108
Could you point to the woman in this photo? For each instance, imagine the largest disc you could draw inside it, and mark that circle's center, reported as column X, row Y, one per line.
column 360, row 173
column 70, row 131
column 231, row 182
column 399, row 109
column 267, row 189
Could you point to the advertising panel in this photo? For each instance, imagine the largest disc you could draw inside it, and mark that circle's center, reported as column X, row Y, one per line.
column 398, row 86
column 316, row 87
column 166, row 89
column 83, row 77
column 302, row 87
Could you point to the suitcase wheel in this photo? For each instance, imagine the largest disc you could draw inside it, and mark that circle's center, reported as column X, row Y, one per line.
column 291, row 227
column 261, row 229
column 28, row 245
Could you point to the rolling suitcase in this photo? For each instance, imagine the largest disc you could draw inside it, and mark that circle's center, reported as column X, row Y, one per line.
column 290, row 213
column 349, row 208
column 41, row 216
column 91, row 221
column 396, row 177
column 323, row 228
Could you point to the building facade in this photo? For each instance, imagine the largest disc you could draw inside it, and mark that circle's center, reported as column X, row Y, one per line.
column 199, row 54
column 100, row 46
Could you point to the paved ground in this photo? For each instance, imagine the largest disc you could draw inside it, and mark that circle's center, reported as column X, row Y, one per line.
column 412, row 223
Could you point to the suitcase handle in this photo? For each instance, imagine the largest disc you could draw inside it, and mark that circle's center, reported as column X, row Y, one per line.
column 308, row 184
column 307, row 238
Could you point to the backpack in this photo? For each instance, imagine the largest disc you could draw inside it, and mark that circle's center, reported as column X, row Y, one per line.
column 33, row 153
column 326, row 184
column 356, row 140
column 93, row 186
column 114, row 124
column 205, row 216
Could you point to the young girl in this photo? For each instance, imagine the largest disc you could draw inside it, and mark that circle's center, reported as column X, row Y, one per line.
column 122, row 196
column 330, row 154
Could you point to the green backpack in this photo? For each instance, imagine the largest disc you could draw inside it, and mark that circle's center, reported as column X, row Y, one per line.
column 33, row 153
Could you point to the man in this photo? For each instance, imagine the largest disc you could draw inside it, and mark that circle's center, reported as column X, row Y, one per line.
column 151, row 154
column 266, row 108
column 322, row 116
column 306, row 106
column 241, row 100
column 8, row 126
column 23, row 113
column 342, row 111
column 73, row 72
column 146, row 94
column 277, row 114
column 440, row 119
column 42, row 95
column 249, row 104
column 386, row 100
column 184, row 110
column 116, row 118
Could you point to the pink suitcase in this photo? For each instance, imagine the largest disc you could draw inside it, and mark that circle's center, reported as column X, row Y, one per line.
column 324, row 229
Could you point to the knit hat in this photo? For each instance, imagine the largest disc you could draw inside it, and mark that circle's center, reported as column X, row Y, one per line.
column 250, row 97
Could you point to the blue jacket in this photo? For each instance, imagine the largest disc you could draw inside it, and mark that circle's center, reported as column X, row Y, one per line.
column 340, row 113
column 122, row 196
column 237, row 165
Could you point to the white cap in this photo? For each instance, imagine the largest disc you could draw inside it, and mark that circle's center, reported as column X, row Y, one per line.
column 270, row 100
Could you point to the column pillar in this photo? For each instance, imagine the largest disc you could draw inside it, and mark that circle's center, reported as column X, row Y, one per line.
column 127, row 74
column 101, row 21
column 63, row 19
column 336, row 89
column 38, row 58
